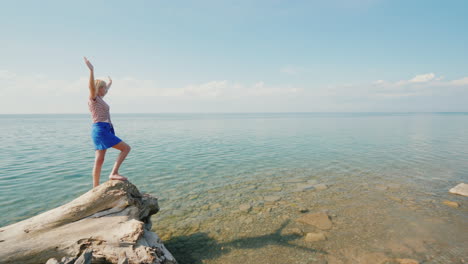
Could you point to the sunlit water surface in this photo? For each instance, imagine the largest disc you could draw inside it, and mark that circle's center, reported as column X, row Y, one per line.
column 386, row 177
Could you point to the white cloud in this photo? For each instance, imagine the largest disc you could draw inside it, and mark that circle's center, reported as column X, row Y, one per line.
column 51, row 94
column 420, row 85
column 38, row 85
column 209, row 89
column 260, row 89
column 428, row 78
column 422, row 78
column 212, row 89
column 394, row 95
column 38, row 93
column 460, row 82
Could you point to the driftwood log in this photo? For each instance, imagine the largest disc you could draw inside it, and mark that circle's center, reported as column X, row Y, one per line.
column 108, row 224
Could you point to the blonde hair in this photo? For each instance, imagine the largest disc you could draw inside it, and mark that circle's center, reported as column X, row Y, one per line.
column 98, row 84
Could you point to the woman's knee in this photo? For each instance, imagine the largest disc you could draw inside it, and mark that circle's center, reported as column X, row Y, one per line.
column 128, row 148
column 123, row 147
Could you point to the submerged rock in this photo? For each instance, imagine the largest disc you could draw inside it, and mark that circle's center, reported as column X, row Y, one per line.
column 193, row 197
column 461, row 189
column 312, row 237
column 245, row 207
column 407, row 261
column 271, row 198
column 451, row 204
column 275, row 189
column 320, row 220
column 293, row 231
column 321, row 186
column 396, row 199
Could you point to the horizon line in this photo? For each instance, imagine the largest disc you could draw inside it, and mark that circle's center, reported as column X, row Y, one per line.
column 331, row 112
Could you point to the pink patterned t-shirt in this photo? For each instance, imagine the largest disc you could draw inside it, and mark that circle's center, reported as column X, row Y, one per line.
column 99, row 110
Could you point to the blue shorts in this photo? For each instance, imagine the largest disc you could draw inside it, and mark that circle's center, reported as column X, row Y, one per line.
column 103, row 136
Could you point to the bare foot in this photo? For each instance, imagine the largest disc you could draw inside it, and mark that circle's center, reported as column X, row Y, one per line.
column 117, row 177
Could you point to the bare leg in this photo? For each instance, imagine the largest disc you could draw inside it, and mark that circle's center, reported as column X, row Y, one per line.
column 124, row 150
column 98, row 161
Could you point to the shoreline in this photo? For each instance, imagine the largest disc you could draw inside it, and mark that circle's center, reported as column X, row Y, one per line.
column 258, row 221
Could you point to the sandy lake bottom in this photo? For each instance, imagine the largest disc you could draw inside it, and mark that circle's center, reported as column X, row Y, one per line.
column 356, row 219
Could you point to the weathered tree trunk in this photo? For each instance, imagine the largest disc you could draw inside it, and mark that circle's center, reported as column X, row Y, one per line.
column 111, row 220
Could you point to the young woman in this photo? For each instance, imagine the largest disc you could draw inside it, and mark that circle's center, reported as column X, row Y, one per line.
column 103, row 134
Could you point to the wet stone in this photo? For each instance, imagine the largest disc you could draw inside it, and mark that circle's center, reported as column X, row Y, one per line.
column 275, row 189
column 271, row 198
column 396, row 199
column 312, row 237
column 245, row 207
column 293, row 231
column 406, row 261
column 451, row 204
column 321, row 186
column 320, row 220
column 193, row 197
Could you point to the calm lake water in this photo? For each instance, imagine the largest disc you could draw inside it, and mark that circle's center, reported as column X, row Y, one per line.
column 395, row 167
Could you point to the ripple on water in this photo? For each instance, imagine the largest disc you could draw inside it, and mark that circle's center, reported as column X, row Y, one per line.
column 203, row 167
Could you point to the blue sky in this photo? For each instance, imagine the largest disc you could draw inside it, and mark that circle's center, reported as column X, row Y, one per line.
column 236, row 56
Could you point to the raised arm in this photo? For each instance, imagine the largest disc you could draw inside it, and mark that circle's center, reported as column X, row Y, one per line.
column 110, row 83
column 92, row 90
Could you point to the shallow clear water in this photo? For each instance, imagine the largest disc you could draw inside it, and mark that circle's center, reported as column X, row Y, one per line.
column 380, row 169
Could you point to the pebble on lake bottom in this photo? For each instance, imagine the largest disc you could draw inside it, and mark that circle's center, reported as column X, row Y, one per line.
column 451, row 204
column 312, row 237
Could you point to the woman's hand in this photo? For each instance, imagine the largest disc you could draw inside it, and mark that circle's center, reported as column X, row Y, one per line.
column 90, row 66
column 92, row 90
column 110, row 82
